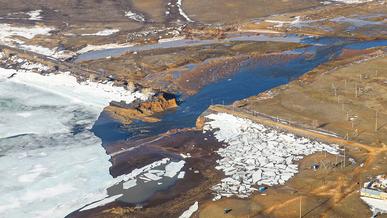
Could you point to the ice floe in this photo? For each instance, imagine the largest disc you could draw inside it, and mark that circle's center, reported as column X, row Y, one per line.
column 152, row 172
column 256, row 155
column 191, row 210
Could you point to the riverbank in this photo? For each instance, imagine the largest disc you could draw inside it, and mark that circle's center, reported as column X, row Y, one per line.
column 98, row 112
column 317, row 190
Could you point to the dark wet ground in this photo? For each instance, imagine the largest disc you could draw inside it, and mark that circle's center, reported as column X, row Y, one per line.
column 165, row 200
column 140, row 143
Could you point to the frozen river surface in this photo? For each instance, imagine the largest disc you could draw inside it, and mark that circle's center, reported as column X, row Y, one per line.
column 38, row 131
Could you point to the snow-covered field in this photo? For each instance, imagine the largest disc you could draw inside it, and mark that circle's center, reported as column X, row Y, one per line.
column 51, row 163
column 34, row 15
column 256, row 155
column 94, row 94
column 9, row 34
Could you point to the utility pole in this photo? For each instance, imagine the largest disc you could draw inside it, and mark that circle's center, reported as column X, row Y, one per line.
column 356, row 91
column 344, row 157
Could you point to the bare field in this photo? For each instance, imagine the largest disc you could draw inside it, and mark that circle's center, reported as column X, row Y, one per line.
column 365, row 21
column 154, row 9
column 229, row 11
column 71, row 11
column 330, row 191
column 311, row 102
column 349, row 100
column 156, row 68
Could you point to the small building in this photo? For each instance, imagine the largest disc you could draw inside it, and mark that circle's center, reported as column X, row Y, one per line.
column 377, row 188
column 371, row 193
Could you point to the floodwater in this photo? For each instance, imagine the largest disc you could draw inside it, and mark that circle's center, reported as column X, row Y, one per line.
column 250, row 80
column 114, row 52
column 41, row 179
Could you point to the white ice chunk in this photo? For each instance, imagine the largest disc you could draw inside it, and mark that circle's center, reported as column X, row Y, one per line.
column 129, row 184
column 173, row 168
column 102, row 202
column 192, row 209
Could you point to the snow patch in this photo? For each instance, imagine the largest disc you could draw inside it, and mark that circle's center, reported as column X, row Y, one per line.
column 171, row 39
column 9, row 34
column 103, row 47
column 191, row 210
column 133, row 16
column 181, row 11
column 106, row 32
column 352, row 1
column 35, row 15
column 376, row 205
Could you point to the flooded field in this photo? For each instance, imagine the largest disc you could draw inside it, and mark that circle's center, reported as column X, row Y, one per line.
column 100, row 102
column 252, row 79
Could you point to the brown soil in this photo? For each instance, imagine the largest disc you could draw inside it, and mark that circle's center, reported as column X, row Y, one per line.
column 142, row 110
column 158, row 68
column 331, row 191
column 229, row 11
column 345, row 96
column 323, row 25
